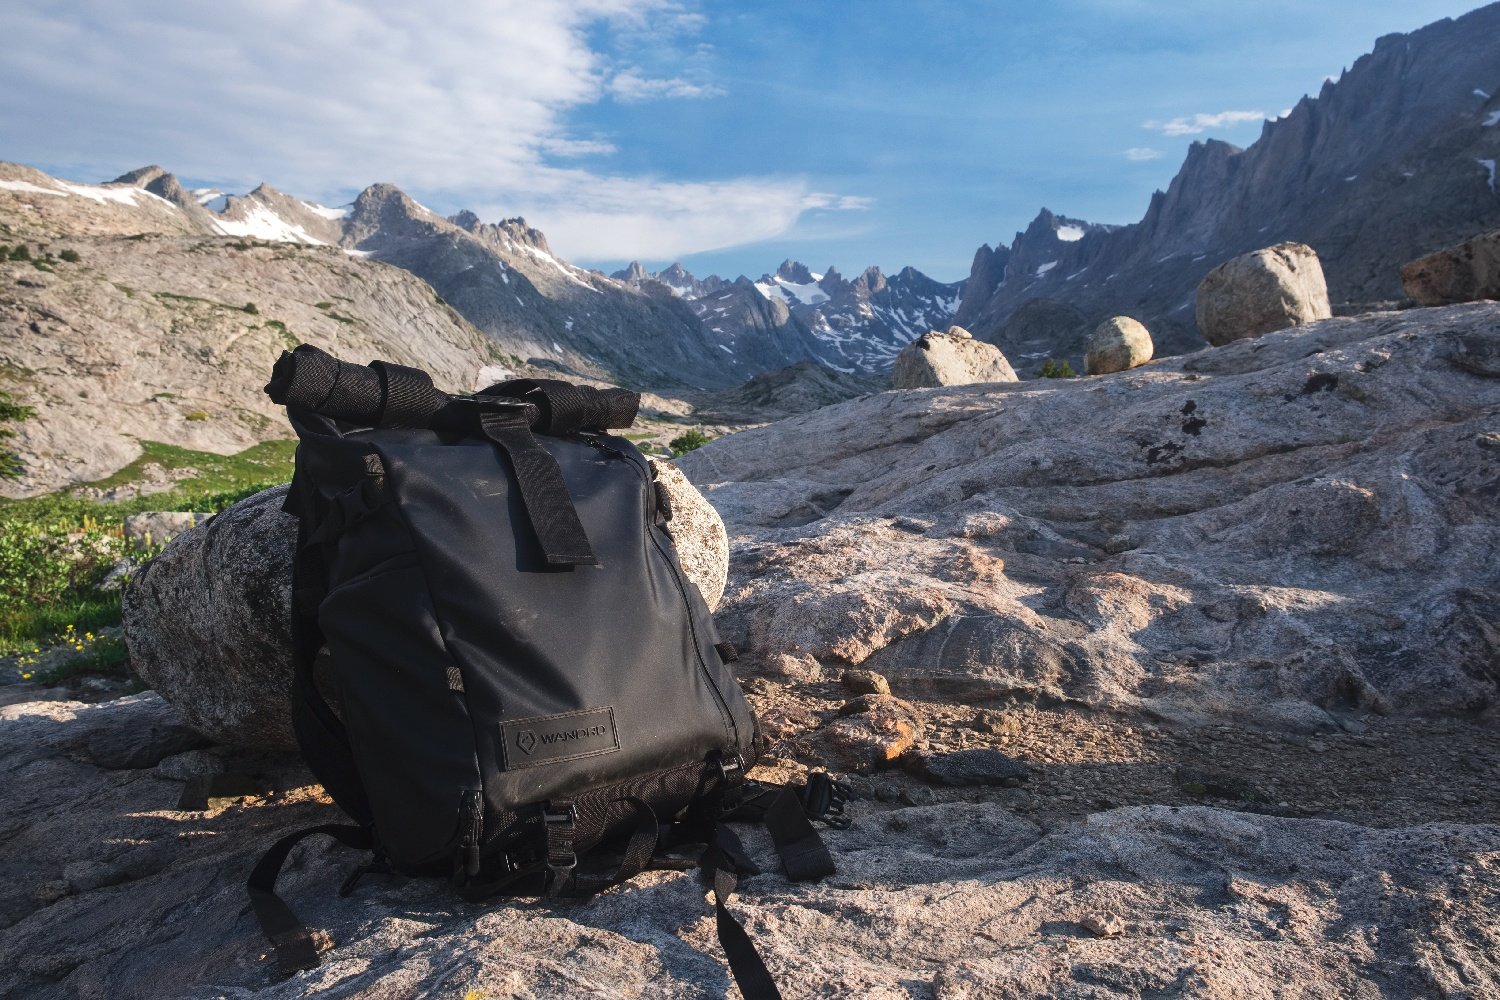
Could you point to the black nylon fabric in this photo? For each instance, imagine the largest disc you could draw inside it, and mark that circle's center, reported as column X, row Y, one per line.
column 515, row 649
column 445, row 575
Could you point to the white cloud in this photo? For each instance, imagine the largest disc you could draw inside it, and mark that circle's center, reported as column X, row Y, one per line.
column 623, row 218
column 459, row 104
column 1194, row 124
column 633, row 85
column 1142, row 153
column 836, row 202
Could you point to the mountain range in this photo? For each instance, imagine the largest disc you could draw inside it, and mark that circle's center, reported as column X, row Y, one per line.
column 796, row 314
column 1394, row 159
column 178, row 299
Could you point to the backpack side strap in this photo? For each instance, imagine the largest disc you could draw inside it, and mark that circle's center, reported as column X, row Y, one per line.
column 296, row 948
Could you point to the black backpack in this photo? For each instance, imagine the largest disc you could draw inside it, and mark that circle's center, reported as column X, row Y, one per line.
column 532, row 698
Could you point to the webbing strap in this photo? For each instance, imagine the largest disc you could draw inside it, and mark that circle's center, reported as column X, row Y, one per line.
column 639, row 851
column 803, row 853
column 565, row 408
column 721, row 869
column 545, row 496
column 295, row 947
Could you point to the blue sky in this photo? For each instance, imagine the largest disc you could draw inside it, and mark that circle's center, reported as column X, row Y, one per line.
column 725, row 135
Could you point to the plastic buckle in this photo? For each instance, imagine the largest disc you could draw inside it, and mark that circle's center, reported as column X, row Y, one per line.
column 824, row 800
column 731, row 770
column 559, row 820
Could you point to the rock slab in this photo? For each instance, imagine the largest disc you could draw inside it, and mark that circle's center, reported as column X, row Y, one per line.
column 1257, row 293
column 1116, row 345
column 950, row 358
column 208, row 621
column 112, row 890
column 1291, row 531
column 1463, row 273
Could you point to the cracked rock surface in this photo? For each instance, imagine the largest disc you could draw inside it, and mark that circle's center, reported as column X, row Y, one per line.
column 1283, row 531
column 111, row 890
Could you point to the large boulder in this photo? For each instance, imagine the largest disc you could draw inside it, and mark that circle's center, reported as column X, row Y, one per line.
column 1464, row 273
column 951, row 358
column 1259, row 292
column 208, row 621
column 1117, row 344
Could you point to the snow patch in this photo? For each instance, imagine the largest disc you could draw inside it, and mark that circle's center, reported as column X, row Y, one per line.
column 556, row 347
column 568, row 325
column 1045, row 268
column 1481, row 94
column 1070, row 234
column 30, row 188
column 1351, row 177
column 1492, row 120
column 325, row 212
column 722, row 347
column 807, row 295
column 1489, row 165
column 263, row 224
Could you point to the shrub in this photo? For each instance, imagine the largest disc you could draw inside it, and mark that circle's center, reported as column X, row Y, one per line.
column 1051, row 369
column 250, row 308
column 71, row 256
column 20, row 253
column 10, row 412
column 686, row 442
column 197, row 415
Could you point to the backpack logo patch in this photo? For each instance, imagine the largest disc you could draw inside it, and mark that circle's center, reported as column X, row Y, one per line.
column 550, row 738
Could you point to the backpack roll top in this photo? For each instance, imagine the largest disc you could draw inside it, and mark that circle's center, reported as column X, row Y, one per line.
column 519, row 663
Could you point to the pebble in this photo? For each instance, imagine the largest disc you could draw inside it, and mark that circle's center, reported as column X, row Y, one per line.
column 1105, row 925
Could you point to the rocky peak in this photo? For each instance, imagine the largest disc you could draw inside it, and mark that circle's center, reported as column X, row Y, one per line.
column 141, row 176
column 385, row 210
column 795, row 272
column 635, row 272
column 517, row 231
column 869, row 281
column 162, row 184
column 466, row 220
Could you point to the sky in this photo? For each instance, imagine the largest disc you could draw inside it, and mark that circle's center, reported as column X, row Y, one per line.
column 727, row 136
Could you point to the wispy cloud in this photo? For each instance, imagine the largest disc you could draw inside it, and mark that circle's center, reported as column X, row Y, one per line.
column 461, row 104
column 837, row 202
column 1142, row 153
column 1194, row 124
column 633, row 85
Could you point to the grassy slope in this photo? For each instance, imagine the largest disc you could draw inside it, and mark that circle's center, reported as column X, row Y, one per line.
column 56, row 549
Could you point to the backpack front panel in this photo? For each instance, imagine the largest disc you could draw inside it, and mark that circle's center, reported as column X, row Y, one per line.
column 577, row 677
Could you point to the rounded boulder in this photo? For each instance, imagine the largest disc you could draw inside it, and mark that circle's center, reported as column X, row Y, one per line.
column 952, row 358
column 1261, row 292
column 1116, row 345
